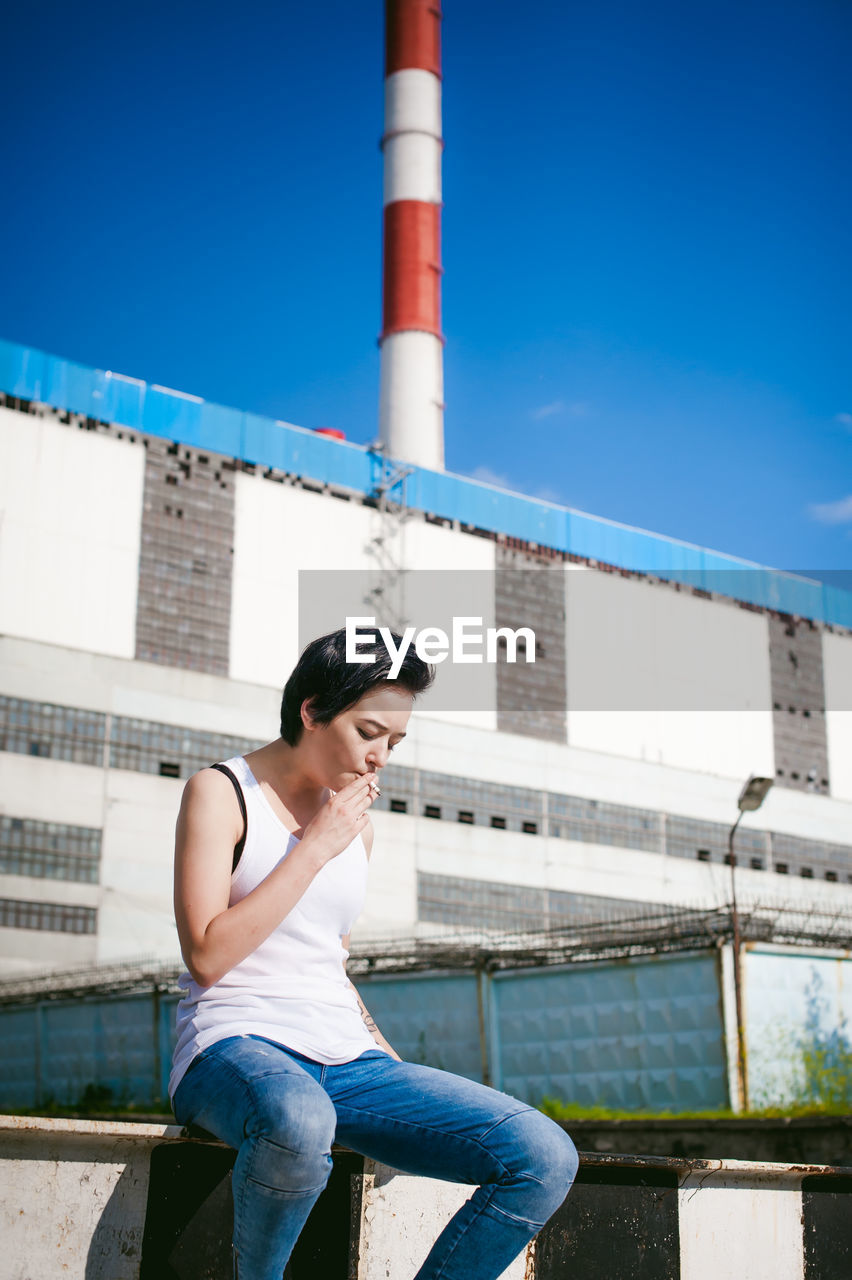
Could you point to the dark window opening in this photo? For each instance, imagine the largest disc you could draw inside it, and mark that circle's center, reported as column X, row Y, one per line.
column 399, row 806
column 432, row 811
column 781, row 868
column 730, row 860
column 530, row 828
column 832, row 876
column 499, row 823
column 168, row 769
column 466, row 816
column 703, row 855
column 756, row 864
column 806, row 873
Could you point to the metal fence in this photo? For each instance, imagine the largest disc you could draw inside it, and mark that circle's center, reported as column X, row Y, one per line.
column 630, row 1012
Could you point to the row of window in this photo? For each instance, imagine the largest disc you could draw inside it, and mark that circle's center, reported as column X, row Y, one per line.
column 66, row 733
column 653, row 832
column 175, row 752
column 52, row 916
column 49, row 850
column 485, row 905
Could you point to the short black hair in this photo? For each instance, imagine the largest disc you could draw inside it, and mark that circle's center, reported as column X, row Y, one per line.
column 333, row 684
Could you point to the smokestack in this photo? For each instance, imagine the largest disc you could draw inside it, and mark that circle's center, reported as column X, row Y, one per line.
column 411, row 400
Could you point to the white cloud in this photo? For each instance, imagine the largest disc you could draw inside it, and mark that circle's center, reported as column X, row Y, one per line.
column 487, row 476
column 549, row 495
column 577, row 409
column 547, row 410
column 839, row 512
column 845, row 419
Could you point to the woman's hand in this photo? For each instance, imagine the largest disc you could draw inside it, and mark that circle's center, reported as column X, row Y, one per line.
column 341, row 818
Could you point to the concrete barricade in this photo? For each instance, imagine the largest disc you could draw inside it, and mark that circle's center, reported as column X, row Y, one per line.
column 91, row 1200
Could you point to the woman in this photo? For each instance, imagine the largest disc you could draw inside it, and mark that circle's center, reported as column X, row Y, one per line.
column 276, row 1053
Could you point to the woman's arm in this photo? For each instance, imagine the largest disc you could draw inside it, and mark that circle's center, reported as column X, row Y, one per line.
column 213, row 936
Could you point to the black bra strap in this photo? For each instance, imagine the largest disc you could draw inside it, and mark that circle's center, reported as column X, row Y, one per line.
column 241, row 843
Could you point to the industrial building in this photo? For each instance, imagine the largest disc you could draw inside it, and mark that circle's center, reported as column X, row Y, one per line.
column 161, row 558
column 147, row 631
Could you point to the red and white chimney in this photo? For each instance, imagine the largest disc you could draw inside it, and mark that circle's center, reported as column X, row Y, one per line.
column 411, row 399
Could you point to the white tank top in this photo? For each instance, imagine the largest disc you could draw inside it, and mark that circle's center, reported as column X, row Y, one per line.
column 292, row 989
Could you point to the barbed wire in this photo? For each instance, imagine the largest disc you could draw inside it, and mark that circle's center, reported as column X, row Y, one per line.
column 618, row 934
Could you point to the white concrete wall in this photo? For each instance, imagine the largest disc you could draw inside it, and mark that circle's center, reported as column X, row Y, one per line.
column 391, row 905
column 137, row 812
column 136, row 903
column 280, row 530
column 142, row 690
column 401, row 1218
column 74, row 1197
column 837, row 678
column 70, row 520
column 573, row 866
column 667, row 677
column 746, row 1221
column 74, row 1202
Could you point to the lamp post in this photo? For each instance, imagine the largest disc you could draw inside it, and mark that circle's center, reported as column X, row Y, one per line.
column 751, row 798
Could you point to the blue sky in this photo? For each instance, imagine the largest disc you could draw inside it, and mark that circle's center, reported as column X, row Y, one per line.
column 647, row 263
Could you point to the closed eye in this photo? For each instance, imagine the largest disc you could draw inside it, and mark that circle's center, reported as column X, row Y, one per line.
column 369, row 737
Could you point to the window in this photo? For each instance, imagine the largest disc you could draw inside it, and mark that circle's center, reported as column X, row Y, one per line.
column 498, row 823
column 530, row 828
column 832, row 876
column 806, row 873
column 703, row 855
column 466, row 817
column 756, row 864
column 399, row 806
column 432, row 811
column 49, row 850
column 781, row 868
column 53, row 917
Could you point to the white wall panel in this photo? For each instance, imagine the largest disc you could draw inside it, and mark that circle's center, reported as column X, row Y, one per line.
column 51, row 790
column 70, row 518
column 666, row 677
column 136, row 914
column 141, row 690
column 837, row 676
column 280, row 530
column 391, row 904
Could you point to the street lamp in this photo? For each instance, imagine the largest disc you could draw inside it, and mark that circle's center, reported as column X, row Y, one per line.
column 751, row 798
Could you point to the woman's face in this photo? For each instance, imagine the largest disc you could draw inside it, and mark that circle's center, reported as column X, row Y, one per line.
column 360, row 740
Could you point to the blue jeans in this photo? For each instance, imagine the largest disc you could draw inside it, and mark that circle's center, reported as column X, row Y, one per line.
column 282, row 1111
